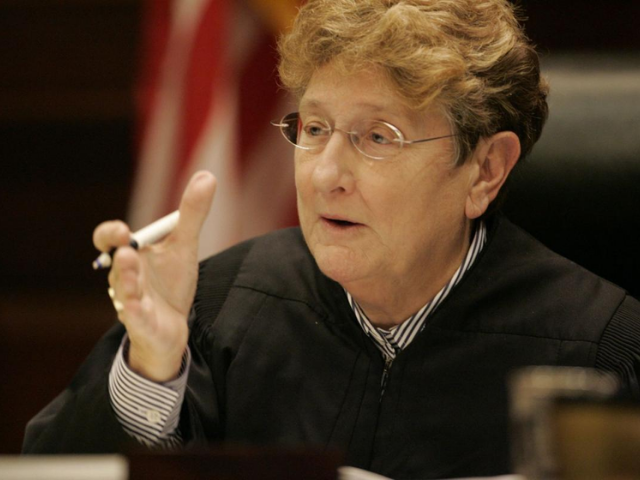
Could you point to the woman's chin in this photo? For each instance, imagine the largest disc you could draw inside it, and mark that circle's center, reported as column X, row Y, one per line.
column 340, row 264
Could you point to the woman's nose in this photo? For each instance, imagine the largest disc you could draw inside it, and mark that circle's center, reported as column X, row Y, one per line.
column 332, row 170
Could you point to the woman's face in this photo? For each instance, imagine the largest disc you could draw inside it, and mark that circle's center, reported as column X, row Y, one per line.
column 369, row 220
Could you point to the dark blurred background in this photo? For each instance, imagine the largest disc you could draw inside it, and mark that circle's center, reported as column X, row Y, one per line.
column 67, row 150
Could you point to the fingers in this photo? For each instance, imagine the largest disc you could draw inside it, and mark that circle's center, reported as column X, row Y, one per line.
column 127, row 266
column 111, row 234
column 117, row 304
column 125, row 281
column 194, row 208
column 195, row 205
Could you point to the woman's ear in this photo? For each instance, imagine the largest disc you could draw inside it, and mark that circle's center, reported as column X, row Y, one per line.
column 494, row 157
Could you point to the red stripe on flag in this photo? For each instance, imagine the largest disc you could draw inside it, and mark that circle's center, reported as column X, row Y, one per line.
column 156, row 24
column 259, row 94
column 205, row 73
column 188, row 66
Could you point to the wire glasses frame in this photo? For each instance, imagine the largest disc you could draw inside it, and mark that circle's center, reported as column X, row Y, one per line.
column 374, row 139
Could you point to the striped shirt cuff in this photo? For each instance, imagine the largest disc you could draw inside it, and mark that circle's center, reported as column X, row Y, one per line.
column 148, row 411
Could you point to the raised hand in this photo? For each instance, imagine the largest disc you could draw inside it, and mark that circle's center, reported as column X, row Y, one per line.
column 156, row 285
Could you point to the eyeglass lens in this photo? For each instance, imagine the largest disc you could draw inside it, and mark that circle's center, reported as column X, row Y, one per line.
column 290, row 126
column 374, row 139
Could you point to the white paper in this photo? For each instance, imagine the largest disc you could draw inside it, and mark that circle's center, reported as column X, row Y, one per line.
column 353, row 473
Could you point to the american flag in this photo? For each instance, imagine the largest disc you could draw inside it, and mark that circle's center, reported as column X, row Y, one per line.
column 207, row 91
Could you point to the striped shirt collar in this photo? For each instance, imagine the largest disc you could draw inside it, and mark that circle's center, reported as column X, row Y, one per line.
column 390, row 342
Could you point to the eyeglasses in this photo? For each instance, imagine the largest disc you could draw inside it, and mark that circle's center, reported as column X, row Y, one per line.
column 373, row 138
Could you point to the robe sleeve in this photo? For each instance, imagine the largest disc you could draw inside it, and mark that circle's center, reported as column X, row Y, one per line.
column 619, row 349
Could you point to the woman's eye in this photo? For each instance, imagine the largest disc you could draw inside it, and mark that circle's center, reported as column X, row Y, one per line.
column 379, row 137
column 315, row 129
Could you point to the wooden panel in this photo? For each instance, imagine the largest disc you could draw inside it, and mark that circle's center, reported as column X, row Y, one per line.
column 67, row 59
column 556, row 25
column 66, row 157
column 44, row 336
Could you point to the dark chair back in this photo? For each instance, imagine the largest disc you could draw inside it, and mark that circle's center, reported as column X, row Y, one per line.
column 579, row 192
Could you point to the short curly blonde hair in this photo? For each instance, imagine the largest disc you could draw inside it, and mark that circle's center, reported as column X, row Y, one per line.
column 469, row 56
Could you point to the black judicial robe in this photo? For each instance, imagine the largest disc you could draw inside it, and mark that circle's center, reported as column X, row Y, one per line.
column 279, row 359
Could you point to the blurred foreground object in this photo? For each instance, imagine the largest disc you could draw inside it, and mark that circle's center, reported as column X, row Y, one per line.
column 567, row 425
column 596, row 440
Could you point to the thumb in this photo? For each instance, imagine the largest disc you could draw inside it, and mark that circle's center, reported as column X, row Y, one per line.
column 195, row 205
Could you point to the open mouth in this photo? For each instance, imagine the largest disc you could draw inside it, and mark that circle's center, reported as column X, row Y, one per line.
column 340, row 223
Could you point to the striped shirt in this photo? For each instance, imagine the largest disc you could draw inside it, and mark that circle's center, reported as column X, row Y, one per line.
column 150, row 411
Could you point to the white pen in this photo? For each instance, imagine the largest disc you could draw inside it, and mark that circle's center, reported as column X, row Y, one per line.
column 145, row 236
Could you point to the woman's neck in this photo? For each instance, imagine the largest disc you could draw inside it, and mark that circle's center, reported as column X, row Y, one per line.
column 392, row 299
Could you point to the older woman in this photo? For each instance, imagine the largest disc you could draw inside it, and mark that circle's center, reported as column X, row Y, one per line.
column 386, row 325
